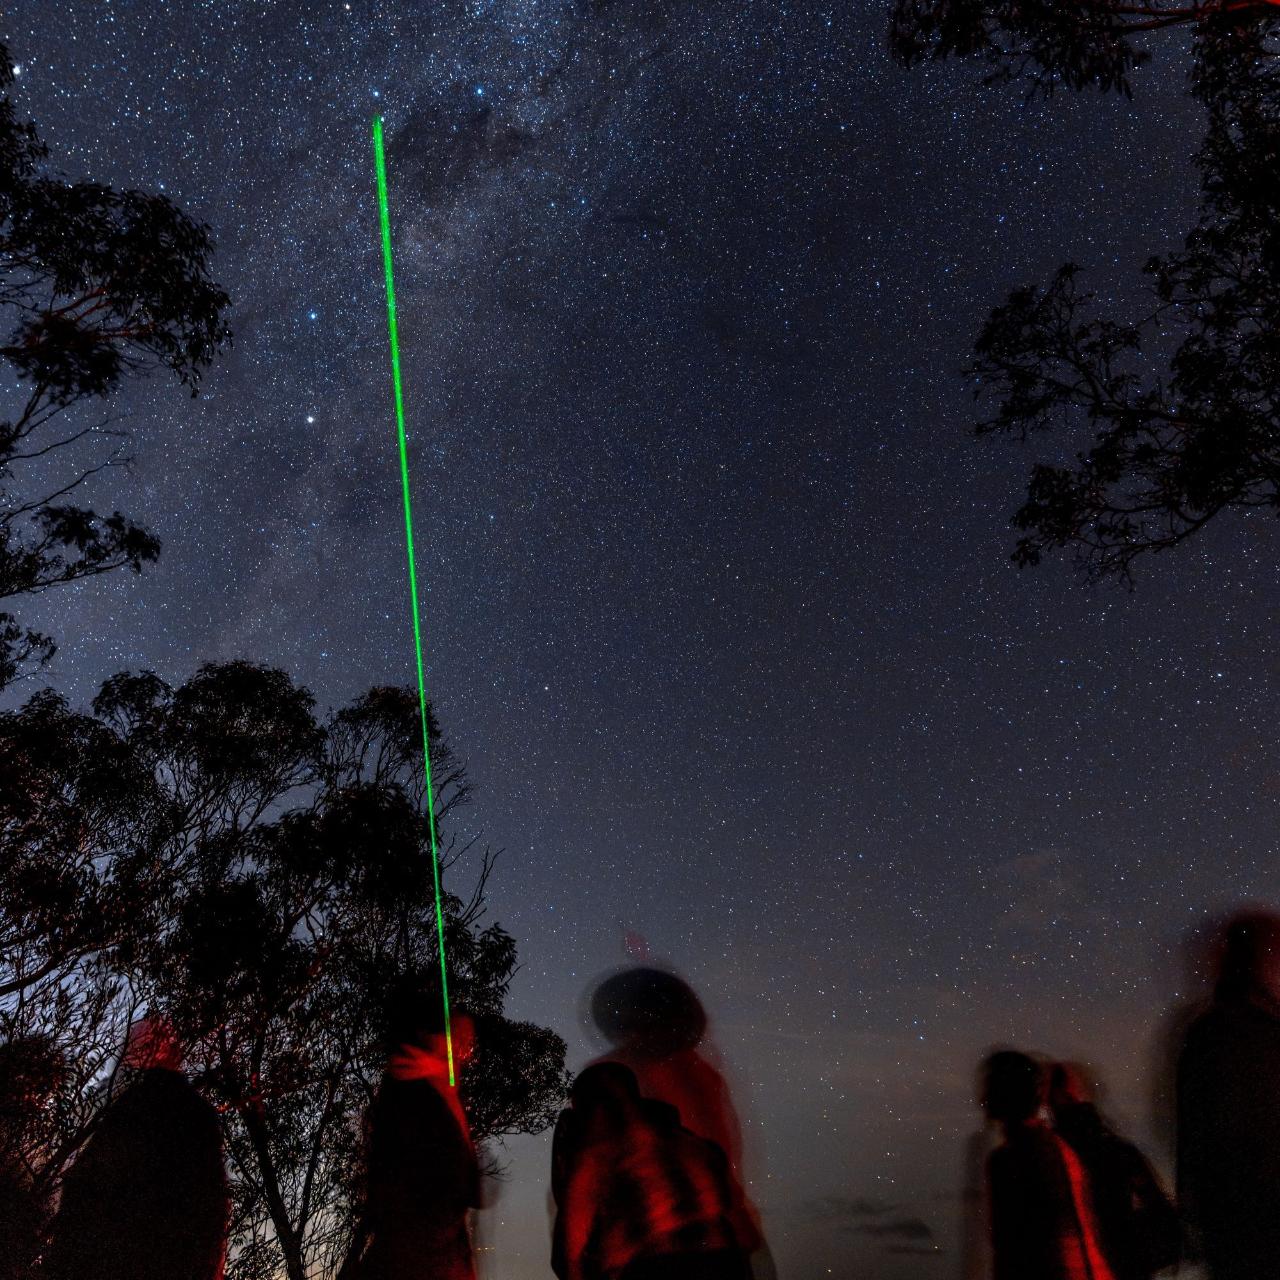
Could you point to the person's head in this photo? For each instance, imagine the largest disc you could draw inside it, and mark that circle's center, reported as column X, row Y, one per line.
column 607, row 1094
column 1069, row 1086
column 648, row 1011
column 416, row 1018
column 152, row 1045
column 1249, row 957
column 1012, row 1087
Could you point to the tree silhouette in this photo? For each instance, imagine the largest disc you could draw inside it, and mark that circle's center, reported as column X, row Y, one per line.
column 262, row 876
column 96, row 286
column 1175, row 439
column 1050, row 43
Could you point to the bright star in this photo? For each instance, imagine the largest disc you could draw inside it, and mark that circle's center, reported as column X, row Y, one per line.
column 310, row 419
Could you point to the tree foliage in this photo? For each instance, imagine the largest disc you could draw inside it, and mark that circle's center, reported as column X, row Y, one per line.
column 219, row 852
column 1047, row 44
column 96, row 286
column 1182, row 403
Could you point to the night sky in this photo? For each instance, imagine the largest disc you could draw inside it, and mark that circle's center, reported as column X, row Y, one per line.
column 719, row 607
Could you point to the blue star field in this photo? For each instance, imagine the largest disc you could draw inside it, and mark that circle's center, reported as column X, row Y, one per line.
column 718, row 602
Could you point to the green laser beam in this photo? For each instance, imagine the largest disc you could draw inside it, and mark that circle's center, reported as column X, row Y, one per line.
column 384, row 218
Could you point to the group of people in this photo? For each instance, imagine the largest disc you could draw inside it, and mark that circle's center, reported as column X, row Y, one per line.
column 644, row 1176
column 1067, row 1198
column 646, row 1179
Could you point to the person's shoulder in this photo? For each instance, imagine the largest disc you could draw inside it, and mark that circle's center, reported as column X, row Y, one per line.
column 397, row 1100
column 1028, row 1137
column 690, row 1145
column 426, row 1097
column 568, row 1126
column 1224, row 1015
column 1224, row 1027
column 1027, row 1148
column 176, row 1096
column 149, row 1092
column 398, row 1087
column 1210, row 1016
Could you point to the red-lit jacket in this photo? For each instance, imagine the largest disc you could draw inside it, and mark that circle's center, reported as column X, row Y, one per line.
column 1042, row 1219
column 648, row 1191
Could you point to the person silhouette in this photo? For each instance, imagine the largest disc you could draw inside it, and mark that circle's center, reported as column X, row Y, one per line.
column 973, row 1206
column 1137, row 1222
column 1042, row 1225
column 421, row 1175
column 1228, row 1108
column 657, row 1027
column 147, row 1197
column 32, row 1069
column 639, row 1196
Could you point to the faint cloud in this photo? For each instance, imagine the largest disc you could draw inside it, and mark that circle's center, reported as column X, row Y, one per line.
column 1037, row 891
column 888, row 1223
column 845, row 1209
column 883, row 1220
column 912, row 1230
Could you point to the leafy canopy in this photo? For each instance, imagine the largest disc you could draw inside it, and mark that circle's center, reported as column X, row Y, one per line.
column 96, row 286
column 1180, row 405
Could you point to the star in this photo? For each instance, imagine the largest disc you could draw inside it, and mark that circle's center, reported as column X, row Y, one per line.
column 743, row 515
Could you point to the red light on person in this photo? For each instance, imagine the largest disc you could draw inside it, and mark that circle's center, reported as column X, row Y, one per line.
column 1042, row 1219
column 639, row 1196
column 147, row 1197
column 657, row 1030
column 657, row 1027
column 421, row 1176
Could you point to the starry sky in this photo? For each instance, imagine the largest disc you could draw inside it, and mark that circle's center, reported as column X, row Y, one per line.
column 718, row 606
